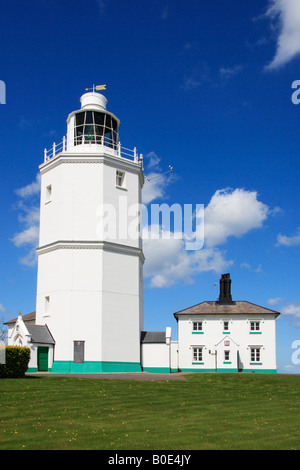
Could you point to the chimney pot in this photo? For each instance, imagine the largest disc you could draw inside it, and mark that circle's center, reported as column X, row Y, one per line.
column 225, row 290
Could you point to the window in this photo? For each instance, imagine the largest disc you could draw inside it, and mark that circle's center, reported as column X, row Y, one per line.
column 226, row 356
column 96, row 128
column 254, row 326
column 197, row 354
column 47, row 305
column 120, row 177
column 79, row 128
column 48, row 193
column 226, row 325
column 255, row 355
column 89, row 132
column 79, row 352
column 197, row 326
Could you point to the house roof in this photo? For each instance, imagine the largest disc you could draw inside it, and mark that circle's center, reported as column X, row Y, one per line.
column 239, row 307
column 153, row 337
column 28, row 317
column 40, row 334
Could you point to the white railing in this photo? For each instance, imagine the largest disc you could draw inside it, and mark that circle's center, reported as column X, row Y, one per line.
column 90, row 146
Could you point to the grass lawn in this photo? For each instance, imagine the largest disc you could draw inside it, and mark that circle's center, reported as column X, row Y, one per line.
column 207, row 411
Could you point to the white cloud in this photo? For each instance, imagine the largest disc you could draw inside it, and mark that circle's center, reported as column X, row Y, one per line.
column 197, row 77
column 275, row 300
column 28, row 236
column 293, row 309
column 28, row 206
column 259, row 268
column 229, row 213
column 168, row 262
column 153, row 160
column 153, row 189
column 286, row 14
column 229, row 72
column 289, row 241
column 30, row 259
column 288, row 367
column 232, row 213
column 30, row 189
column 30, row 215
column 191, row 83
column 155, row 182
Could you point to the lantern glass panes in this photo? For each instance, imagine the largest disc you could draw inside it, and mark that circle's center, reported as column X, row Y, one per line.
column 96, row 128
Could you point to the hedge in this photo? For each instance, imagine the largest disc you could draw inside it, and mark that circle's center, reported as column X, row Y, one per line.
column 16, row 362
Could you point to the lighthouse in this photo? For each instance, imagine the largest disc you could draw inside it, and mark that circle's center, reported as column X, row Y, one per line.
column 90, row 256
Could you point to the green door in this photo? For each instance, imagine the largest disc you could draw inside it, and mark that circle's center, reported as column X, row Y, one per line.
column 42, row 359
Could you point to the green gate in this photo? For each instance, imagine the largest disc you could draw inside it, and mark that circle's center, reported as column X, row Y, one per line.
column 42, row 359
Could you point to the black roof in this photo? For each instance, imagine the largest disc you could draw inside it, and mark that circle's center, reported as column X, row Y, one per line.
column 40, row 334
column 153, row 337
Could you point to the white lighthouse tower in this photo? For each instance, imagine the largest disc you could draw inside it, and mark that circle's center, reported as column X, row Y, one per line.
column 90, row 258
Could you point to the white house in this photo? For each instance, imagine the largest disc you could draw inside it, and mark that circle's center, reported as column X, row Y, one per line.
column 226, row 335
column 89, row 301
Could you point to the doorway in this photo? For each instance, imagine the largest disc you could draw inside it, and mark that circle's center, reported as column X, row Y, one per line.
column 42, row 359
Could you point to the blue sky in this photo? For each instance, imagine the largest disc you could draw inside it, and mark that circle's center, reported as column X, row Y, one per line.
column 204, row 86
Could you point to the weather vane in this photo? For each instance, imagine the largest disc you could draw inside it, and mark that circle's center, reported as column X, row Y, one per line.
column 97, row 87
column 158, row 176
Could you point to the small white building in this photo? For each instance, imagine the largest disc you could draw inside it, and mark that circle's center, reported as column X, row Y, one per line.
column 156, row 351
column 226, row 335
column 23, row 331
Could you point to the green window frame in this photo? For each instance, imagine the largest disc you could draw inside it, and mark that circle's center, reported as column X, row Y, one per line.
column 197, row 327
column 255, row 327
column 197, row 355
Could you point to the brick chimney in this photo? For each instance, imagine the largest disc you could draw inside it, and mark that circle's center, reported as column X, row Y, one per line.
column 225, row 290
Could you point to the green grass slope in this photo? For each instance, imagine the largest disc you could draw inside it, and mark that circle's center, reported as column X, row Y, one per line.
column 207, row 411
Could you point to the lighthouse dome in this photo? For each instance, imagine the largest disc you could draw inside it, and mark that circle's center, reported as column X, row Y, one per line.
column 92, row 124
column 93, row 101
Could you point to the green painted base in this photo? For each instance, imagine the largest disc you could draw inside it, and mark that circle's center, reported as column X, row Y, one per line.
column 94, row 367
column 65, row 367
column 208, row 370
column 258, row 371
column 262, row 371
